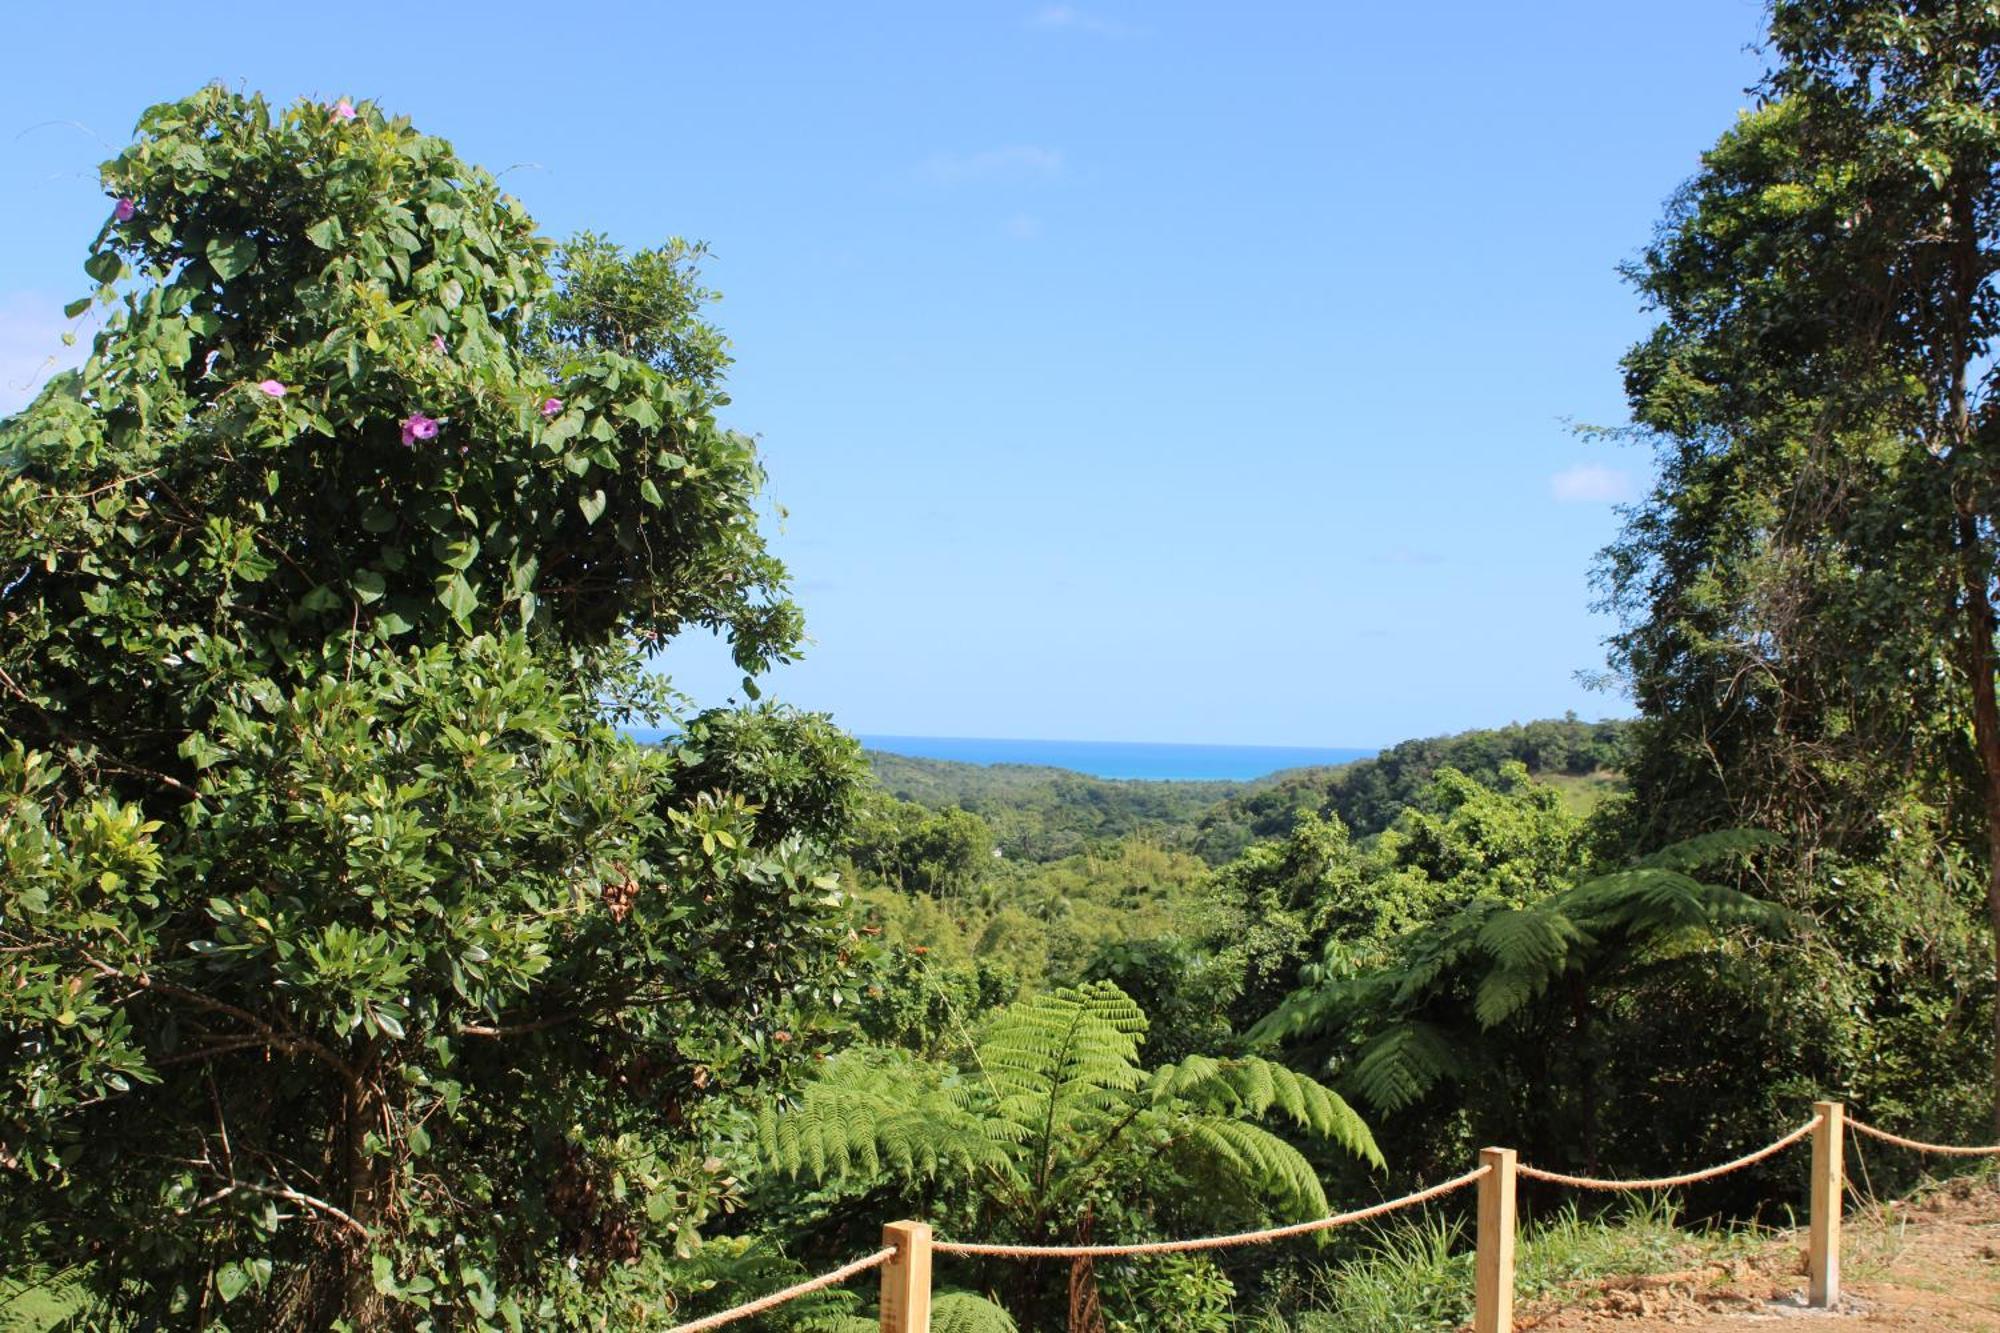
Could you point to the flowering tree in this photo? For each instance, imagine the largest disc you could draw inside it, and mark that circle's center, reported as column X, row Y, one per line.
column 352, row 964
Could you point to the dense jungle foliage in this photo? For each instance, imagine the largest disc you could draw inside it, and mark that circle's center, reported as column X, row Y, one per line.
column 357, row 970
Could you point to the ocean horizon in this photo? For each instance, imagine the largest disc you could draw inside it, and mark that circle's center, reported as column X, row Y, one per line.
column 1156, row 761
column 1142, row 761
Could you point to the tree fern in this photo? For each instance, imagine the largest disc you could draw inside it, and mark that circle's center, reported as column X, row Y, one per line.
column 1251, row 1156
column 1052, row 1110
column 49, row 1300
column 1408, row 1025
column 1253, row 1086
column 873, row 1112
column 951, row 1312
column 1403, row 1062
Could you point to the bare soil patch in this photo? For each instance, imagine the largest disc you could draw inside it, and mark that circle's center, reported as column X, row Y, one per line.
column 1930, row 1263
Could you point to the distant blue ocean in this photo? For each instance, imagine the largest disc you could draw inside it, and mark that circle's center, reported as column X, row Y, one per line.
column 1121, row 759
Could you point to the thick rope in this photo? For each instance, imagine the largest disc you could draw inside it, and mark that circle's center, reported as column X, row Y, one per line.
column 777, row 1298
column 1672, row 1182
column 1208, row 1242
column 1943, row 1149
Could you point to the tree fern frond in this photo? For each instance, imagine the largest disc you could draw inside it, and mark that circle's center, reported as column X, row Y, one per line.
column 1065, row 1059
column 963, row 1312
column 1328, row 1006
column 1403, row 1063
column 951, row 1312
column 1505, row 991
column 1708, row 848
column 44, row 1300
column 1253, row 1086
column 871, row 1110
column 1274, row 1168
column 1529, row 939
column 1435, row 951
column 1651, row 898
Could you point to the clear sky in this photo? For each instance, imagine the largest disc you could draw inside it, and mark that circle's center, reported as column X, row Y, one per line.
column 1128, row 371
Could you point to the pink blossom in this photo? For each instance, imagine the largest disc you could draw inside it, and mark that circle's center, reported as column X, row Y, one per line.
column 343, row 110
column 124, row 208
column 272, row 388
column 417, row 426
column 437, row 344
column 551, row 408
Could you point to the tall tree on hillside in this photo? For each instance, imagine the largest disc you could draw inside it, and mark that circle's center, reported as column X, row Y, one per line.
column 352, row 965
column 1809, row 591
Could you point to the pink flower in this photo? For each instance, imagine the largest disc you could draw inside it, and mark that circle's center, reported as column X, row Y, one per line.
column 343, row 110
column 551, row 408
column 437, row 344
column 124, row 209
column 272, row 388
column 417, row 426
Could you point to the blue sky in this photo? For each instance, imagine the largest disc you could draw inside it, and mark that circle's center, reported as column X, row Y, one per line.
column 1127, row 371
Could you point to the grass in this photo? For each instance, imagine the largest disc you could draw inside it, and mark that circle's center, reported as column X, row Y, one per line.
column 1417, row 1276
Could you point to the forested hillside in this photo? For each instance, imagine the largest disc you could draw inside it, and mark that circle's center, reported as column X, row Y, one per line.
column 1043, row 813
column 1581, row 759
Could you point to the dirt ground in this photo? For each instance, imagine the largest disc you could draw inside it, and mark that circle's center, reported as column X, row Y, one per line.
column 1929, row 1263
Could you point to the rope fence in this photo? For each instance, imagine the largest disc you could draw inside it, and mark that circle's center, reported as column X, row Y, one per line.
column 1674, row 1182
column 1264, row 1237
column 905, row 1256
column 791, row 1293
column 1940, row 1149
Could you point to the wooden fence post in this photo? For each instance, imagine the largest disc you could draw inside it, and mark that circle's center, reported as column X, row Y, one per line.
column 1493, row 1294
column 906, row 1278
column 1829, row 1195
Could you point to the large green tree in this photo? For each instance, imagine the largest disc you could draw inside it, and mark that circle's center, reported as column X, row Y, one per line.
column 1809, row 591
column 352, row 964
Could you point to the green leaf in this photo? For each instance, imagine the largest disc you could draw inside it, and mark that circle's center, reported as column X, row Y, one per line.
column 106, row 266
column 325, row 233
column 368, row 585
column 592, row 506
column 230, row 257
column 230, row 1281
column 76, row 307
column 458, row 597
column 455, row 552
column 650, row 493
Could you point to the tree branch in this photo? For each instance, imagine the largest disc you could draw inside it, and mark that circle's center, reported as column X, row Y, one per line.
column 276, row 1037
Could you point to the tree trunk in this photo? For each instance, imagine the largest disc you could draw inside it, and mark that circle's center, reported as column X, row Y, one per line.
column 1086, row 1314
column 1975, row 564
column 1586, row 1057
column 1086, row 1311
column 360, row 1302
column 1978, row 612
